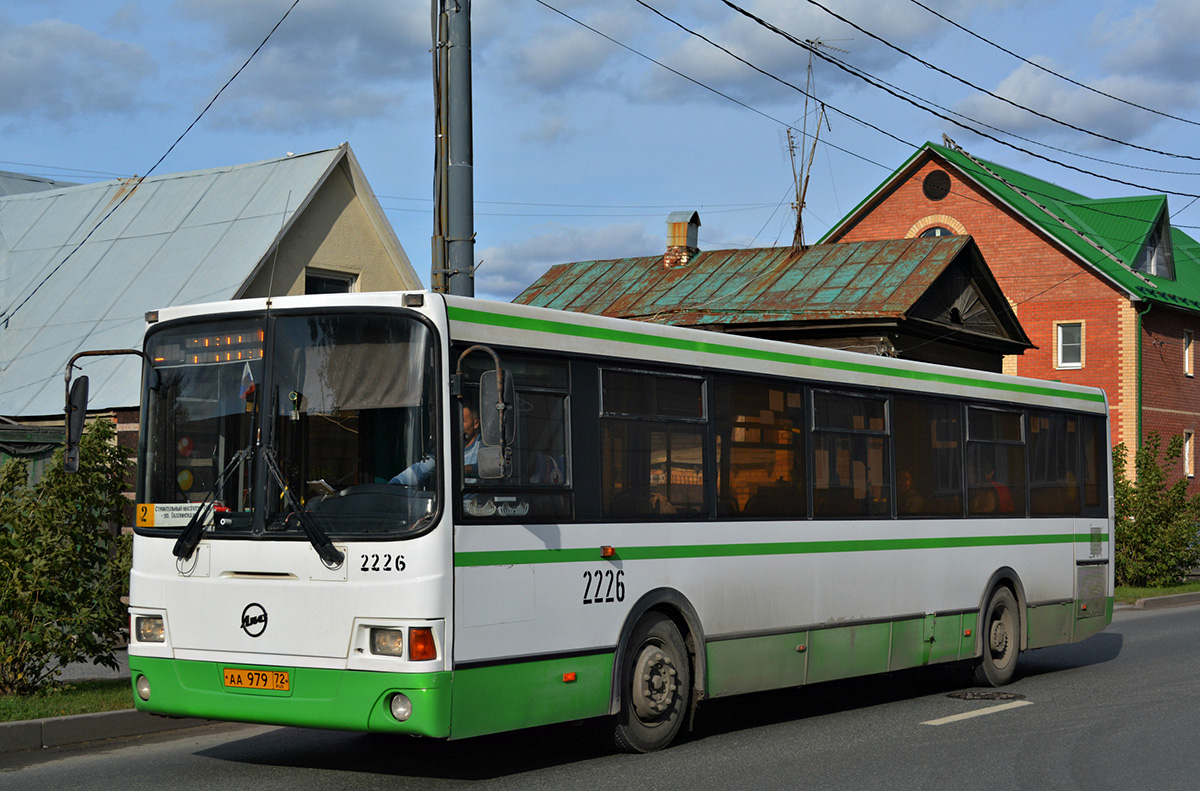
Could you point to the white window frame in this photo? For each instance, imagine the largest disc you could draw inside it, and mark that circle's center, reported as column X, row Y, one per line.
column 1189, row 455
column 1189, row 343
column 1058, row 344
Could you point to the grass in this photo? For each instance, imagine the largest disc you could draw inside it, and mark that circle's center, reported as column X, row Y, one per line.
column 83, row 697
column 1130, row 595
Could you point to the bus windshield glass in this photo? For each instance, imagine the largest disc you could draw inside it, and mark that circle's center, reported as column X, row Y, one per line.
column 268, row 416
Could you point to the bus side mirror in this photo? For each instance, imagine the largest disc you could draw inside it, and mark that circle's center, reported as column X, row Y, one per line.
column 497, row 426
column 76, row 414
column 497, row 413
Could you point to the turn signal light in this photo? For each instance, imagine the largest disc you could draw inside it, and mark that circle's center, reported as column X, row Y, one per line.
column 420, row 644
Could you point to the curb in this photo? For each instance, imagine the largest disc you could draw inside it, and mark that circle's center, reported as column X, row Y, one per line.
column 1158, row 602
column 79, row 728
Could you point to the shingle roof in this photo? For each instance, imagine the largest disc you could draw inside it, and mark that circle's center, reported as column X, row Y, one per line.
column 1106, row 234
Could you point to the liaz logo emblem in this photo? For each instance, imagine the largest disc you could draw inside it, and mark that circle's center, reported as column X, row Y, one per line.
column 254, row 619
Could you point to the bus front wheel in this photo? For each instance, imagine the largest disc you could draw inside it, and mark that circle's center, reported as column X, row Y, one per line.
column 1001, row 639
column 656, row 683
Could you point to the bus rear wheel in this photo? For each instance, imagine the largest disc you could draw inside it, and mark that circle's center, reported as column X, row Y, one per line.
column 1001, row 637
column 656, row 683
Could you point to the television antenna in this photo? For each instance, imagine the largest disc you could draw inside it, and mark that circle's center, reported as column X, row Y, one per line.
column 800, row 176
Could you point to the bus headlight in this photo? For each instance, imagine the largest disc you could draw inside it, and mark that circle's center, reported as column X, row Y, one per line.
column 387, row 642
column 142, row 685
column 401, row 707
column 150, row 629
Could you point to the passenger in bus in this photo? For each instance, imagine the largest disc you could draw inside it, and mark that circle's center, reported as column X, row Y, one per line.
column 420, row 474
column 909, row 502
column 991, row 496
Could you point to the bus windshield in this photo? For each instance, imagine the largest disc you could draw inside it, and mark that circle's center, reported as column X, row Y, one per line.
column 268, row 416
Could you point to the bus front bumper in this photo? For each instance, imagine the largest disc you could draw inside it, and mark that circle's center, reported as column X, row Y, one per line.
column 354, row 700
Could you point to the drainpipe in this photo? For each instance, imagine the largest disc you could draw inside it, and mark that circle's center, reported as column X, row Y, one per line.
column 1140, row 314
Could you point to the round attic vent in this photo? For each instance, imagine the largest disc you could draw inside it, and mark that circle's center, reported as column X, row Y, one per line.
column 936, row 185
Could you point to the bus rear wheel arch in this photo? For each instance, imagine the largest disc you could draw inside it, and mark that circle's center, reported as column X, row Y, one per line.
column 655, row 686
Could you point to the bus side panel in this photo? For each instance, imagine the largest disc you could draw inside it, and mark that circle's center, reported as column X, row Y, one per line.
column 505, row 697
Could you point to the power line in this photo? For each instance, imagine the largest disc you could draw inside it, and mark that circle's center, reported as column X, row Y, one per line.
column 870, row 81
column 709, row 88
column 7, row 315
column 973, row 86
column 1039, row 66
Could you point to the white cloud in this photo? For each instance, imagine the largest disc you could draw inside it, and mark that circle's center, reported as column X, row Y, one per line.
column 507, row 269
column 328, row 64
column 1159, row 40
column 55, row 70
column 1034, row 88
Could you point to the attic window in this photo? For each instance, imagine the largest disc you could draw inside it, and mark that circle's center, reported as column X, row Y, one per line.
column 327, row 283
column 936, row 230
column 936, row 184
column 1156, row 256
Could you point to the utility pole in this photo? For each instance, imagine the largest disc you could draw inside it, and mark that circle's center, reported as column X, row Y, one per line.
column 453, row 264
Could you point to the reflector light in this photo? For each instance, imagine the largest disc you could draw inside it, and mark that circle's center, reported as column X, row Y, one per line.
column 420, row 644
column 568, row 678
column 607, row 552
column 967, row 633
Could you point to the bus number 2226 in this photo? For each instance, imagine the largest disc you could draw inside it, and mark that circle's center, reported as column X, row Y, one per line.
column 603, row 586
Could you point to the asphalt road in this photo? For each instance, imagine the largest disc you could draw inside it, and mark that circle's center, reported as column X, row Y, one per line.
column 1118, row 711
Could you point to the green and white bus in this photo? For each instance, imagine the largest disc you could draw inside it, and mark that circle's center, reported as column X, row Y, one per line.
column 649, row 517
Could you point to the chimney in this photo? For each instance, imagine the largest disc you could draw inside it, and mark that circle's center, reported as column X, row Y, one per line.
column 682, row 228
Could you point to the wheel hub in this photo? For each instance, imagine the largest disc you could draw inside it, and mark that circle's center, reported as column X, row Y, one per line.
column 654, row 683
column 998, row 637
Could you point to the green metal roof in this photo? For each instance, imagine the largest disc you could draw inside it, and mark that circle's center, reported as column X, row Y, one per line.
column 861, row 280
column 1105, row 233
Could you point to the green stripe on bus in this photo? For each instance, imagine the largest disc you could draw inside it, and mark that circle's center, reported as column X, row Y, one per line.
column 591, row 554
column 471, row 316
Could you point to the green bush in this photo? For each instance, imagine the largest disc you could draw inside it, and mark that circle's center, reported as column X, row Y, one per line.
column 1156, row 520
column 62, row 570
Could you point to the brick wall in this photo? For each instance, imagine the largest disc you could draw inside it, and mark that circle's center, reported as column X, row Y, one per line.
column 1044, row 285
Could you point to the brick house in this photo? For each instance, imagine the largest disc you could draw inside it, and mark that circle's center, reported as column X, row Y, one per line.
column 1106, row 289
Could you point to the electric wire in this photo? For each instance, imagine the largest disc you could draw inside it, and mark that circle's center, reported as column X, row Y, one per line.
column 862, row 76
column 7, row 315
column 1049, row 71
column 983, row 90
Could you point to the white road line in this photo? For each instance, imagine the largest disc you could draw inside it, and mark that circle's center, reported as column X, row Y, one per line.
column 981, row 712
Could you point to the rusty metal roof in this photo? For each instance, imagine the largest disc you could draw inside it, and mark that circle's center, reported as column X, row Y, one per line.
column 864, row 280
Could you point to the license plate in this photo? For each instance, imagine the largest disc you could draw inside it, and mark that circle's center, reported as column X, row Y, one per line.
column 243, row 678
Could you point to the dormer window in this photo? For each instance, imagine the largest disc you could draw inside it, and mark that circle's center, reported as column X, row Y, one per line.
column 1156, row 257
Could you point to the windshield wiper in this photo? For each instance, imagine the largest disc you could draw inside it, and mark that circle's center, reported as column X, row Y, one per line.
column 190, row 538
column 331, row 555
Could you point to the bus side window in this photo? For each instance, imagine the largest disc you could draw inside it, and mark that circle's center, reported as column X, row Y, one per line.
column 1054, row 464
column 929, row 457
column 539, row 488
column 652, row 445
column 995, row 462
column 850, row 455
column 760, row 449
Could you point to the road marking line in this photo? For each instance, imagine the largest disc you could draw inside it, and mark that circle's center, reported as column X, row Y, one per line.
column 981, row 712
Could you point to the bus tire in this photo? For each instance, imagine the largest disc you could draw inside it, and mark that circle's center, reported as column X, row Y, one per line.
column 656, row 684
column 1001, row 639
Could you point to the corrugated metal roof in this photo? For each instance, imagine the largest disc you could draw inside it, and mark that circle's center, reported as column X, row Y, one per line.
column 879, row 279
column 20, row 183
column 177, row 239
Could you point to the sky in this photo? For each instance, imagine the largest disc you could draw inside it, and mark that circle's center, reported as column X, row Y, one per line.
column 594, row 119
